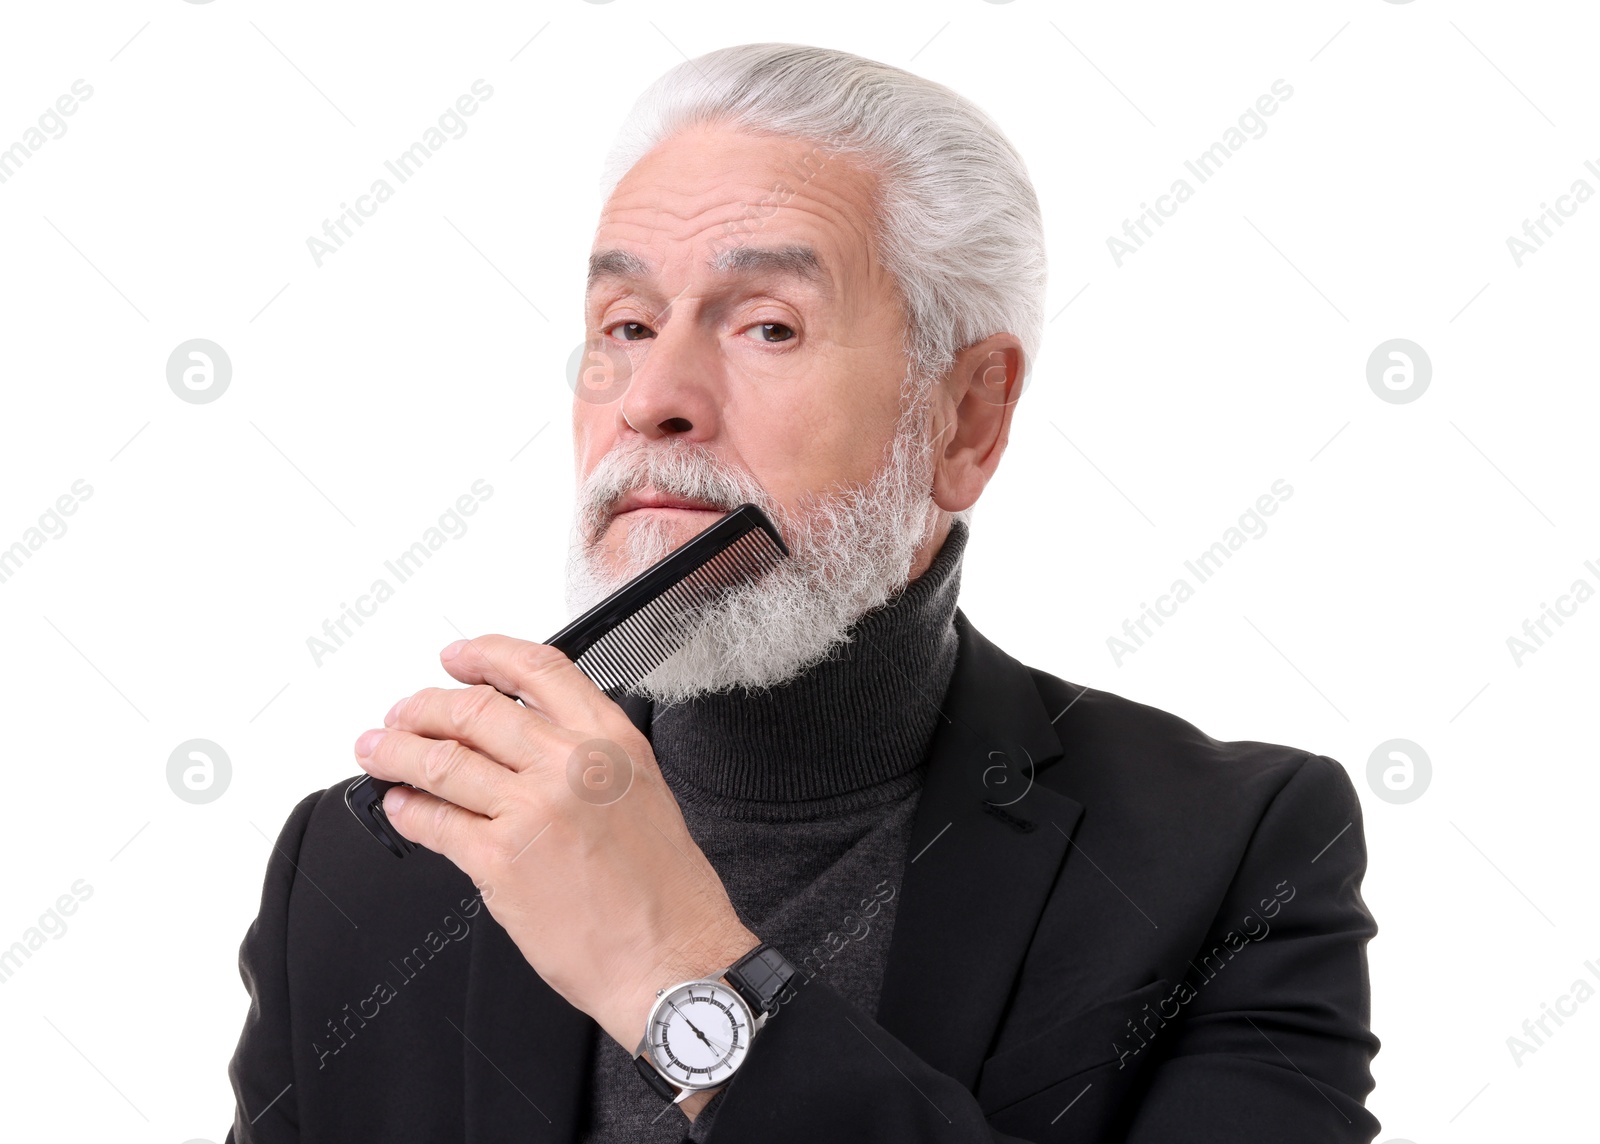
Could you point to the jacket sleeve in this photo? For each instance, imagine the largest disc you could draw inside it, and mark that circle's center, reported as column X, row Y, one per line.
column 262, row 1068
column 827, row 1071
column 1273, row 1042
column 1274, row 1047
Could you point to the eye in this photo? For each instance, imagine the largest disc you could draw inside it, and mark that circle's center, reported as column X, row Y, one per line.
column 762, row 330
column 631, row 331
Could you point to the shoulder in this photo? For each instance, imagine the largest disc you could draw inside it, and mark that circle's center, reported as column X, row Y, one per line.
column 346, row 883
column 1151, row 773
column 1188, row 825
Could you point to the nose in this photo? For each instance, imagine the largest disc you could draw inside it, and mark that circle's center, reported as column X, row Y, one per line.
column 672, row 392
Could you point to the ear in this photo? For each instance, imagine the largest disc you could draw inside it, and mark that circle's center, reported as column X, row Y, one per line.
column 980, row 391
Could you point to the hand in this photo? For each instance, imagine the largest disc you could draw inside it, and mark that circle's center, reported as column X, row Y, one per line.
column 600, row 886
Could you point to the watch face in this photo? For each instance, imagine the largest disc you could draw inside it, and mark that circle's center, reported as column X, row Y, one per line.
column 699, row 1033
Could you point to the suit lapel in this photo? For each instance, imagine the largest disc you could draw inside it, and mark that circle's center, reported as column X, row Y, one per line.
column 985, row 850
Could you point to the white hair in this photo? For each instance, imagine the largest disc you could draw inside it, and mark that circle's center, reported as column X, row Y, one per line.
column 958, row 224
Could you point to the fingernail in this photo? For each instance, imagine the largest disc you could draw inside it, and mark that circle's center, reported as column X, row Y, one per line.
column 453, row 650
column 389, row 720
column 368, row 740
column 395, row 799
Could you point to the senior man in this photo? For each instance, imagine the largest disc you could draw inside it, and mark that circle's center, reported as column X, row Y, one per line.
column 892, row 883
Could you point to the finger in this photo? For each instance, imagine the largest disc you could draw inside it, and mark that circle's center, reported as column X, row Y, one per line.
column 539, row 674
column 444, row 767
column 441, row 826
column 489, row 722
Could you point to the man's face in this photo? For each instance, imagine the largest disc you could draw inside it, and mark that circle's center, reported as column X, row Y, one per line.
column 740, row 294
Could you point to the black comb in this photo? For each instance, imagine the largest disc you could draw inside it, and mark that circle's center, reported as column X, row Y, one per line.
column 634, row 630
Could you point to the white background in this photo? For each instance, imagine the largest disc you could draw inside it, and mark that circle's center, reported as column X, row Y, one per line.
column 1172, row 391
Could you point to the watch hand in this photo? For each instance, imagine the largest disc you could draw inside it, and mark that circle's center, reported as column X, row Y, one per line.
column 718, row 1046
column 712, row 1042
column 685, row 1017
column 695, row 1029
column 691, row 1024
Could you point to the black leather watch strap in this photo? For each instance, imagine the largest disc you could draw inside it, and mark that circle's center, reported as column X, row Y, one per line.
column 761, row 976
column 655, row 1080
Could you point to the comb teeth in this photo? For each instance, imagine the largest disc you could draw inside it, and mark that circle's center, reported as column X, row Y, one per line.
column 653, row 634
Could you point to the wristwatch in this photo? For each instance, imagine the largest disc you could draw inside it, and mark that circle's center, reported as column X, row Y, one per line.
column 699, row 1032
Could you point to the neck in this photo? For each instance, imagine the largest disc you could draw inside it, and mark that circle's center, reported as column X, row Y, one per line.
column 849, row 732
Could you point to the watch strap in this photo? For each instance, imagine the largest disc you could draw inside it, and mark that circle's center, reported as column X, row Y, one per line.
column 760, row 977
column 663, row 1087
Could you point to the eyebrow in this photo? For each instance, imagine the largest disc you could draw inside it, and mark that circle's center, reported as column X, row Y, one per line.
column 796, row 260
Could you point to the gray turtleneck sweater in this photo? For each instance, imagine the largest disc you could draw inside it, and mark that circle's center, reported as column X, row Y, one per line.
column 802, row 798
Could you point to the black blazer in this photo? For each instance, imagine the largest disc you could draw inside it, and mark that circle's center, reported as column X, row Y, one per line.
column 1112, row 927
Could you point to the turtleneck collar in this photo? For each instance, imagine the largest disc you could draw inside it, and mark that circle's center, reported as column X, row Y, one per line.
column 850, row 732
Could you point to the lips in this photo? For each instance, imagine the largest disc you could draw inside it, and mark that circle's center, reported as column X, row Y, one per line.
column 649, row 498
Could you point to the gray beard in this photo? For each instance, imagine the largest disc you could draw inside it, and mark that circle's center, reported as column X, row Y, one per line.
column 851, row 549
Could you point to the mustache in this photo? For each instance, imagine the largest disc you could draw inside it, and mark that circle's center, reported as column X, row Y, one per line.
column 681, row 468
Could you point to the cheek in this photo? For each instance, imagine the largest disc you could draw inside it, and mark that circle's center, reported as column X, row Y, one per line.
column 853, row 421
column 807, row 447
column 593, row 434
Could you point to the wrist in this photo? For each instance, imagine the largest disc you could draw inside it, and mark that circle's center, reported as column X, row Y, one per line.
column 709, row 955
column 695, row 1104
